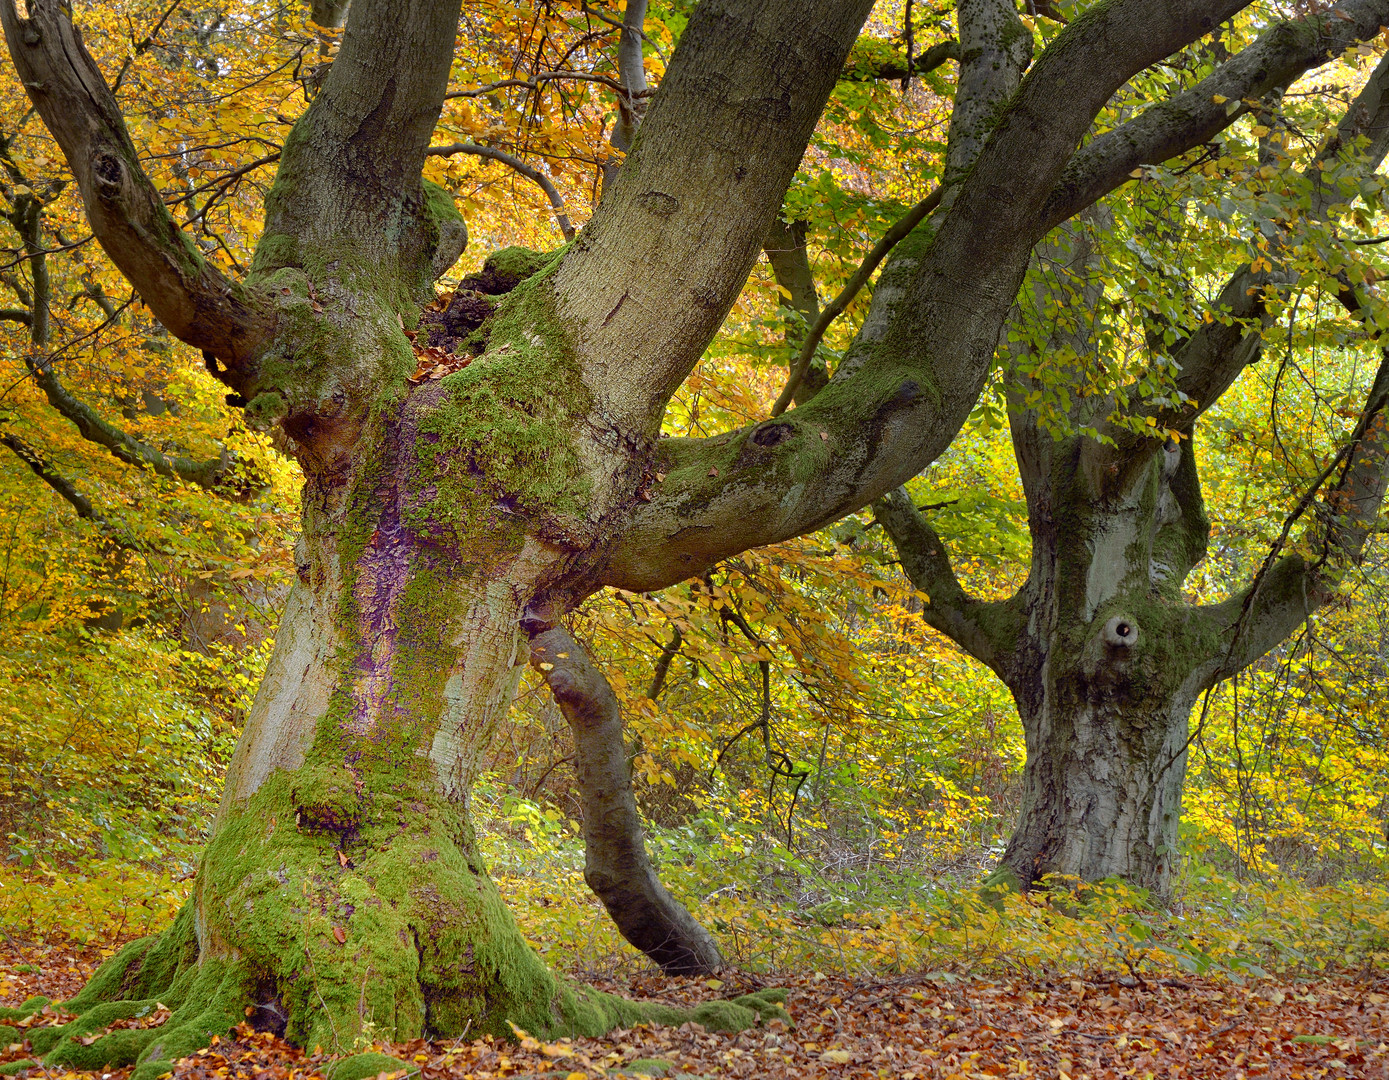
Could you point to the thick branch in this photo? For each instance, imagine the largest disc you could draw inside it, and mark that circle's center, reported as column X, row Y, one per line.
column 616, row 866
column 1195, row 116
column 516, row 164
column 909, row 381
column 988, row 632
column 1287, row 590
column 186, row 293
column 654, row 273
column 350, row 176
column 995, row 49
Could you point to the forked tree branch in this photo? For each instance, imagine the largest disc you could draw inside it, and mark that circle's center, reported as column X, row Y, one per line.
column 190, row 296
column 1172, row 127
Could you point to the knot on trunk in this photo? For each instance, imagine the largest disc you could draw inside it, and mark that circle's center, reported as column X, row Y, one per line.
column 1121, row 632
column 328, row 800
column 107, row 175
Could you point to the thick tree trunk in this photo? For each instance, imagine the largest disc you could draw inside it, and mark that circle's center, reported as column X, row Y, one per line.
column 1102, row 786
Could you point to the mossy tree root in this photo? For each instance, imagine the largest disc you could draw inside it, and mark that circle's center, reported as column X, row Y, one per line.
column 361, row 914
column 212, row 997
column 157, row 972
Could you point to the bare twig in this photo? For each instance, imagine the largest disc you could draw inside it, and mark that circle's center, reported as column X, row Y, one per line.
column 835, row 307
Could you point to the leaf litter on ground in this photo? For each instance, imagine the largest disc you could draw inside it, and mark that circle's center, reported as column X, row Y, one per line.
column 908, row 1027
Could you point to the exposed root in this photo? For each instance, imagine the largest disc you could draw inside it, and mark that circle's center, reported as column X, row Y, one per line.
column 336, row 915
column 146, row 978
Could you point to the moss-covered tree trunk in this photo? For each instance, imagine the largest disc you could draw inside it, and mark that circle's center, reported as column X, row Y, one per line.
column 1110, row 662
column 450, row 512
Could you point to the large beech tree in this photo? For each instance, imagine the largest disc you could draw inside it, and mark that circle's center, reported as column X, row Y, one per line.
column 1103, row 654
column 445, row 521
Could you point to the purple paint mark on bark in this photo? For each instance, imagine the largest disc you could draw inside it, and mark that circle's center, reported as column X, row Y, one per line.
column 383, row 571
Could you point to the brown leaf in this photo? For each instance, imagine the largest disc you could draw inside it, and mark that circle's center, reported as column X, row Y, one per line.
column 713, row 472
column 342, row 859
column 340, row 934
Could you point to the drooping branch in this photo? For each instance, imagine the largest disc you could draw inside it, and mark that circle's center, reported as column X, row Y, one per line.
column 50, row 476
column 517, row 165
column 193, row 299
column 1195, row 116
column 987, row 631
column 27, row 220
column 121, row 444
column 616, row 865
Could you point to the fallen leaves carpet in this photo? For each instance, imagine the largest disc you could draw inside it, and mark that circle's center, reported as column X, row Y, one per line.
column 892, row 1028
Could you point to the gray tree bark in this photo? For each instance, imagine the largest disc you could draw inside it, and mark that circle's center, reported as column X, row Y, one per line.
column 342, row 889
column 616, row 865
column 1103, row 656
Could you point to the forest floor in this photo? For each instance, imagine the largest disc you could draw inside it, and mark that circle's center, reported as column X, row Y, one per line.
column 890, row 1027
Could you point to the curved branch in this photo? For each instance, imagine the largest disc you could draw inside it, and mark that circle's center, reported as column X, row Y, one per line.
column 989, row 632
column 1214, row 355
column 121, row 444
column 1195, row 116
column 515, row 163
column 668, row 653
column 616, row 865
column 194, row 300
column 1287, row 590
column 50, row 476
column 909, row 381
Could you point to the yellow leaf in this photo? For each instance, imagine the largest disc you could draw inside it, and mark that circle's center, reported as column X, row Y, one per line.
column 836, row 1057
column 1219, row 99
column 1258, row 131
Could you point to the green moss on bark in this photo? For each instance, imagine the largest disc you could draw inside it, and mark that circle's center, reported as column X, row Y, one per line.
column 501, row 443
column 362, row 1066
